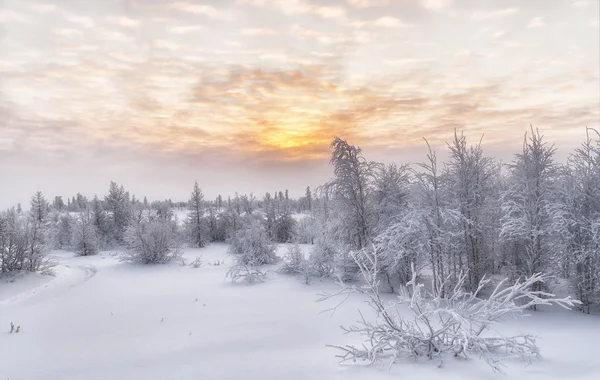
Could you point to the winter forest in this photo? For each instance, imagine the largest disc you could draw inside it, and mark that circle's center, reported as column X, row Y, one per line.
column 428, row 267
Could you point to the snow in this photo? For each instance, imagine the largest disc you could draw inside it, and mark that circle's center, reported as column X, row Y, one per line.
column 181, row 215
column 300, row 216
column 99, row 318
column 18, row 285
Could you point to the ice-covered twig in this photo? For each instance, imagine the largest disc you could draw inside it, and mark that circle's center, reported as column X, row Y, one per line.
column 438, row 326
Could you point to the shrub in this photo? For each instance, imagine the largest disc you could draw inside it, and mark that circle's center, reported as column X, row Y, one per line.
column 152, row 242
column 252, row 246
column 461, row 325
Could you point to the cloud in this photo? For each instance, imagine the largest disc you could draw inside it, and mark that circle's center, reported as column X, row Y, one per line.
column 406, row 61
column 198, row 9
column 488, row 15
column 258, row 32
column 84, row 21
column 185, row 29
column 68, row 33
column 368, row 3
column 42, row 7
column 281, row 99
column 581, row 3
column 113, row 35
column 322, row 37
column 328, row 12
column 7, row 15
column 167, row 44
column 436, row 5
column 389, row 22
column 536, row 22
column 298, row 7
column 123, row 21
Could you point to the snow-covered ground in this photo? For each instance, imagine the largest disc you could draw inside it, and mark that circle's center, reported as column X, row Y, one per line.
column 103, row 319
column 181, row 215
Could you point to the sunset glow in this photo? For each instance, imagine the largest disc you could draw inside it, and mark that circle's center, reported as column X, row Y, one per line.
column 257, row 84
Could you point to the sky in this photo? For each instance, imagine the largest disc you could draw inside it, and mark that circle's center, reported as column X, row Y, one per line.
column 246, row 95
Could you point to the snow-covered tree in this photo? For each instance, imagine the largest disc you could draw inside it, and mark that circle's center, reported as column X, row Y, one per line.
column 306, row 230
column 576, row 218
column 212, row 221
column 390, row 193
column 23, row 240
column 252, row 245
column 278, row 221
column 308, row 198
column 84, row 238
column 100, row 221
column 219, row 202
column 284, row 227
column 39, row 208
column 270, row 215
column 253, row 249
column 118, row 215
column 36, row 227
column 60, row 230
column 527, row 220
column 351, row 189
column 469, row 174
column 13, row 241
column 431, row 213
column 196, row 223
column 58, row 203
column 324, row 254
column 152, row 241
column 293, row 260
column 401, row 246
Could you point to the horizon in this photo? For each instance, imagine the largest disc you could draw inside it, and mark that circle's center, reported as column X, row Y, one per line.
column 246, row 95
column 295, row 193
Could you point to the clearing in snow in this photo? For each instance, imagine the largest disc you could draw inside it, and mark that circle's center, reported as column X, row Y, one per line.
column 100, row 319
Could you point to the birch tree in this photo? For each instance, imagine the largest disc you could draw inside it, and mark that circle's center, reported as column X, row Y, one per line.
column 526, row 205
column 431, row 208
column 577, row 218
column 469, row 173
column 351, row 187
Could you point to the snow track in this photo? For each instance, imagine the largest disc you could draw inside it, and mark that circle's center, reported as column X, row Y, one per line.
column 66, row 277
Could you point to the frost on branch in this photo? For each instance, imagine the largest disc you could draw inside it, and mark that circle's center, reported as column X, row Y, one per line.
column 460, row 325
column 154, row 241
column 252, row 248
column 246, row 273
column 295, row 263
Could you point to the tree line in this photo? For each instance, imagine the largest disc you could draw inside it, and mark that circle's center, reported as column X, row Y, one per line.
column 466, row 217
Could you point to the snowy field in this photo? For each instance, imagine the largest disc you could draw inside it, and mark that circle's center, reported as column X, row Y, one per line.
column 100, row 319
